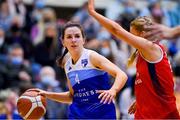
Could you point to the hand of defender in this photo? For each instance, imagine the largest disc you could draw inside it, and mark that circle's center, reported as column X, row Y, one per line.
column 132, row 108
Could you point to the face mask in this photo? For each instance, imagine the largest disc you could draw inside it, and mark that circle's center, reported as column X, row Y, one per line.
column 16, row 60
column 39, row 4
column 1, row 41
column 47, row 20
column 15, row 28
column 38, row 16
column 49, row 80
column 130, row 10
column 131, row 71
column 48, row 41
column 105, row 51
column 157, row 12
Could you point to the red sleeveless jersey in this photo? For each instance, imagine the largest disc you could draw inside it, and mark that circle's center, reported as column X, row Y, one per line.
column 154, row 89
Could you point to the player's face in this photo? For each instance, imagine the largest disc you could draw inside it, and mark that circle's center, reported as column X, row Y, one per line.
column 134, row 31
column 73, row 39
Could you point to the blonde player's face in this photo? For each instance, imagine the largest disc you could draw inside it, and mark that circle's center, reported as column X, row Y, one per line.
column 134, row 31
column 73, row 39
column 137, row 33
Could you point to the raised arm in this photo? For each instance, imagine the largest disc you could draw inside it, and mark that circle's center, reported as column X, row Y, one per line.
column 104, row 64
column 146, row 47
column 114, row 27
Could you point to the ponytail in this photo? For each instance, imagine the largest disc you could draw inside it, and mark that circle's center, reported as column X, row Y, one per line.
column 59, row 60
column 132, row 58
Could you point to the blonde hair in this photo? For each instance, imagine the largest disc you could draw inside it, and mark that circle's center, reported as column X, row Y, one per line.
column 138, row 24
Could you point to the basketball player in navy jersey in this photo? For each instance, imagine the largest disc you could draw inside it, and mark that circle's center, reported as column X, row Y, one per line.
column 154, row 79
column 90, row 93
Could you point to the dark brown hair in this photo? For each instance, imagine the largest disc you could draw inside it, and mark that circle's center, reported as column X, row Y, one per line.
column 68, row 25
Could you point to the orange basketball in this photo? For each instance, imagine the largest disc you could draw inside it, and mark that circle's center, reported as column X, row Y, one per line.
column 30, row 105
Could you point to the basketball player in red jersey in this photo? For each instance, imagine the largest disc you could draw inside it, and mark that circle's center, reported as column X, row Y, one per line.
column 154, row 80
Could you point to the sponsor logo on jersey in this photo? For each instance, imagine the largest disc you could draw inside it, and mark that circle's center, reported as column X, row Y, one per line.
column 84, row 62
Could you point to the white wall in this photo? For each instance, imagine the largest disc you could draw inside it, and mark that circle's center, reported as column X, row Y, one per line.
column 100, row 3
column 73, row 3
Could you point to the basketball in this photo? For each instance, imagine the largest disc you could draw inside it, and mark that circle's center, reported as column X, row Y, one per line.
column 30, row 105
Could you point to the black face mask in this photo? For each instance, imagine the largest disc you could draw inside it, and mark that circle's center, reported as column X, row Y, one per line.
column 15, row 28
column 48, row 41
column 46, row 20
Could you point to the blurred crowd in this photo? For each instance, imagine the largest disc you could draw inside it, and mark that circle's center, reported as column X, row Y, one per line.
column 30, row 44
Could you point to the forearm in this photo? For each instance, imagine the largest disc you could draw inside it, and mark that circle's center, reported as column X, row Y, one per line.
column 119, row 82
column 63, row 97
column 107, row 23
column 176, row 31
column 119, row 32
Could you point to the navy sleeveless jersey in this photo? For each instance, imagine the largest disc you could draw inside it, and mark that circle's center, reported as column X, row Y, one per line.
column 85, row 80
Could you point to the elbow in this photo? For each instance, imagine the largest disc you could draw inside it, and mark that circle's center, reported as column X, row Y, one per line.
column 124, row 77
column 116, row 30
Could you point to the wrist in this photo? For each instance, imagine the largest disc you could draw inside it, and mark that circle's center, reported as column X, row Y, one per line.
column 114, row 90
column 175, row 32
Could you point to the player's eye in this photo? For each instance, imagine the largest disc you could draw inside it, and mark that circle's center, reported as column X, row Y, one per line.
column 77, row 36
column 68, row 37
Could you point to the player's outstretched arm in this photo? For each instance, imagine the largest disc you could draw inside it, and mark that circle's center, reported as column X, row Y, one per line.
column 63, row 97
column 115, row 28
column 146, row 47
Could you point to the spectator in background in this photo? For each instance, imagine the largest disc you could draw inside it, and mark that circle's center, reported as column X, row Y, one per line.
column 90, row 26
column 34, row 15
column 3, row 44
column 17, row 8
column 154, row 10
column 46, row 51
column 44, row 16
column 49, row 83
column 129, row 13
column 8, row 108
column 174, row 15
column 15, row 69
column 116, row 12
column 5, row 16
column 17, row 35
column 104, row 49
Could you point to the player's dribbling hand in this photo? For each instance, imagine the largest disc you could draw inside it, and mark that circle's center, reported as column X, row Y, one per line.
column 106, row 96
column 132, row 108
column 40, row 91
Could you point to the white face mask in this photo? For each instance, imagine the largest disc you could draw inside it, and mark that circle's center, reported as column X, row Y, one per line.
column 105, row 52
column 49, row 80
column 1, row 40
